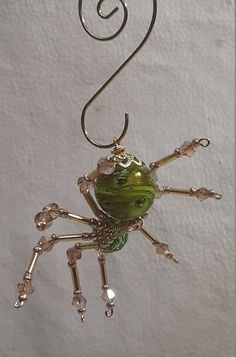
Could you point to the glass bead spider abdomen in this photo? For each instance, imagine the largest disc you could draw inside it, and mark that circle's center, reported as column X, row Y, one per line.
column 125, row 189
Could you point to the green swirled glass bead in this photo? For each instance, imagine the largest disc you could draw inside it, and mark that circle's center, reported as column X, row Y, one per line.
column 127, row 193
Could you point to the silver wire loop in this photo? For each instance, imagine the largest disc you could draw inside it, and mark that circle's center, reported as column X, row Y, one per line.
column 109, row 312
column 105, row 17
column 204, row 142
column 217, row 195
column 82, row 318
column 19, row 303
column 124, row 64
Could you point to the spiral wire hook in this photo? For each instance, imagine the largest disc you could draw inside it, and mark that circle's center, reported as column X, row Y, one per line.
column 104, row 17
column 123, row 65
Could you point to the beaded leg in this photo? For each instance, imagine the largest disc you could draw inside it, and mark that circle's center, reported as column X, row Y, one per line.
column 105, row 166
column 86, row 183
column 52, row 211
column 108, row 294
column 74, row 254
column 201, row 193
column 186, row 149
column 44, row 245
column 161, row 248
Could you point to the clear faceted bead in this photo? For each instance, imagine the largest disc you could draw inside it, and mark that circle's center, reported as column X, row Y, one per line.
column 79, row 301
column 43, row 220
column 25, row 287
column 106, row 167
column 85, row 184
column 202, row 193
column 162, row 249
column 187, row 149
column 108, row 295
column 53, row 208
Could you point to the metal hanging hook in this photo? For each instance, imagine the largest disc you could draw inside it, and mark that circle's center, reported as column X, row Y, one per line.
column 110, row 79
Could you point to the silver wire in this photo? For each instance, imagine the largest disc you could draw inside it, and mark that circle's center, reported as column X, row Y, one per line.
column 105, row 17
column 124, row 64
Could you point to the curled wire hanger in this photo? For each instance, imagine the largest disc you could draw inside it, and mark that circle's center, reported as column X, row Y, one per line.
column 110, row 79
column 105, row 17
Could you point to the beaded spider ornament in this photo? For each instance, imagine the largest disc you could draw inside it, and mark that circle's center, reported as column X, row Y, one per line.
column 125, row 189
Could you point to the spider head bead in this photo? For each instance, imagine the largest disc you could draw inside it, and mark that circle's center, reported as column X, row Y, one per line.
column 129, row 191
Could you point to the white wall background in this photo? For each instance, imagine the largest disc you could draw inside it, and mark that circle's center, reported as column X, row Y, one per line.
column 179, row 87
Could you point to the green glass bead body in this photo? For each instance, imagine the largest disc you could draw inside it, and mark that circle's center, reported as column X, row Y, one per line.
column 127, row 193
